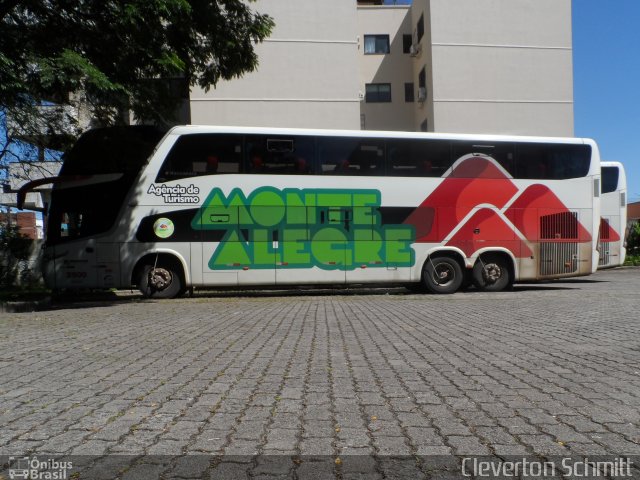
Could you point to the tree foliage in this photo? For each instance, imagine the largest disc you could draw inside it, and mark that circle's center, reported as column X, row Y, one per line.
column 15, row 249
column 120, row 55
column 633, row 239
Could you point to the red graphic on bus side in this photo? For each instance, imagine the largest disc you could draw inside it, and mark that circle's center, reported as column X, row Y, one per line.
column 607, row 232
column 536, row 214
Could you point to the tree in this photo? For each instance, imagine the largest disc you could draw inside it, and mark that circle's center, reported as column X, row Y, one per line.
column 119, row 56
column 14, row 255
column 633, row 239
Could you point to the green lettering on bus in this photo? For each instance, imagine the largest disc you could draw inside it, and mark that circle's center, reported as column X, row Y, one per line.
column 332, row 229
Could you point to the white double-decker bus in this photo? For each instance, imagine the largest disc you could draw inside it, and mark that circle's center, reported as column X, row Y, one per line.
column 232, row 207
column 613, row 222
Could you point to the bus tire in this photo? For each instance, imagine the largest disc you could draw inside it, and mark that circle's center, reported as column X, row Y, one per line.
column 442, row 275
column 163, row 281
column 492, row 273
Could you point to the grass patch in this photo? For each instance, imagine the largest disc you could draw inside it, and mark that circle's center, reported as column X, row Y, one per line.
column 632, row 260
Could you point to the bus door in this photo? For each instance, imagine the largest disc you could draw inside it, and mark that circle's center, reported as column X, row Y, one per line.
column 220, row 254
column 75, row 267
column 312, row 247
column 107, row 264
column 256, row 260
column 369, row 255
column 92, row 265
column 233, row 252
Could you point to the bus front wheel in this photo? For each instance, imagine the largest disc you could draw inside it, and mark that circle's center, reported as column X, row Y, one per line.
column 442, row 275
column 492, row 273
column 161, row 281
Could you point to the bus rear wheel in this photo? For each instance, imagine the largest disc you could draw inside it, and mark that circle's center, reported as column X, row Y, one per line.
column 442, row 275
column 492, row 273
column 161, row 281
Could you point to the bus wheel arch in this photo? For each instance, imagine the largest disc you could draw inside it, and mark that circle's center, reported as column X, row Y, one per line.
column 493, row 271
column 443, row 272
column 160, row 275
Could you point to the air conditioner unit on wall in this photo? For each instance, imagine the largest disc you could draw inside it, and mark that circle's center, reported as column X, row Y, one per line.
column 422, row 94
column 414, row 50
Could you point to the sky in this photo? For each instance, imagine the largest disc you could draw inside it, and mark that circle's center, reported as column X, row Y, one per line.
column 606, row 70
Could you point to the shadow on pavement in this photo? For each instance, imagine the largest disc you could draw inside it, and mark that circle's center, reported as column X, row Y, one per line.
column 97, row 298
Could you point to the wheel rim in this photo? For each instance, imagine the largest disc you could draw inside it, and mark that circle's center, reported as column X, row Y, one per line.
column 491, row 272
column 160, row 279
column 443, row 274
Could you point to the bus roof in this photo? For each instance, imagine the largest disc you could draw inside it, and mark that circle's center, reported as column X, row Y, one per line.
column 192, row 129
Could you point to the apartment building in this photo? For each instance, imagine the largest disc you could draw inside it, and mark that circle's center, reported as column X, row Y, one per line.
column 308, row 73
column 477, row 66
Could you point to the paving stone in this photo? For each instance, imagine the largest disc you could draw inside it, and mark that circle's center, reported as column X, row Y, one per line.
column 467, row 445
column 391, row 446
column 541, row 369
column 317, row 446
column 424, row 436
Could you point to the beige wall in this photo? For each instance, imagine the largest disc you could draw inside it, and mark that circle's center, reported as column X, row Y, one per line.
column 492, row 66
column 502, row 66
column 307, row 77
column 395, row 68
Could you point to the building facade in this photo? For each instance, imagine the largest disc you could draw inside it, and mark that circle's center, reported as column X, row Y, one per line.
column 494, row 66
column 482, row 66
column 27, row 222
column 633, row 212
column 308, row 73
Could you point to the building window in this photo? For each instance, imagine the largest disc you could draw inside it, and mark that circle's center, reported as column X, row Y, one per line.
column 422, row 78
column 376, row 44
column 424, row 126
column 408, row 93
column 422, row 85
column 406, row 43
column 420, row 27
column 378, row 92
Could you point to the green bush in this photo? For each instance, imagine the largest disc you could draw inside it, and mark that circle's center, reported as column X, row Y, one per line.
column 633, row 245
column 15, row 249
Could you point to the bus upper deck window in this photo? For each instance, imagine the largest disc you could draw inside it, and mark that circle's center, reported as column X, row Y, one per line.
column 202, row 154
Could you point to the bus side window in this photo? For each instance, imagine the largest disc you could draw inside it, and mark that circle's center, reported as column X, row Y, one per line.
column 351, row 156
column 280, row 155
column 418, row 158
column 202, row 154
column 550, row 161
column 501, row 153
column 370, row 158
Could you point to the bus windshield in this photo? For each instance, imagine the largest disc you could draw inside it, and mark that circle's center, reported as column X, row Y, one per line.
column 86, row 210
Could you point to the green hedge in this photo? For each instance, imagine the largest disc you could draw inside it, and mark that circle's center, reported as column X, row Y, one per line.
column 633, row 245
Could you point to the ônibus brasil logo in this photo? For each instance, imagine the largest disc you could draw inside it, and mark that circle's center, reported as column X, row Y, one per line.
column 332, row 229
column 32, row 468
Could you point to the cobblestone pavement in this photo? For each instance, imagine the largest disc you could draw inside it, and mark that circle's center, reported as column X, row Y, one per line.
column 550, row 369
